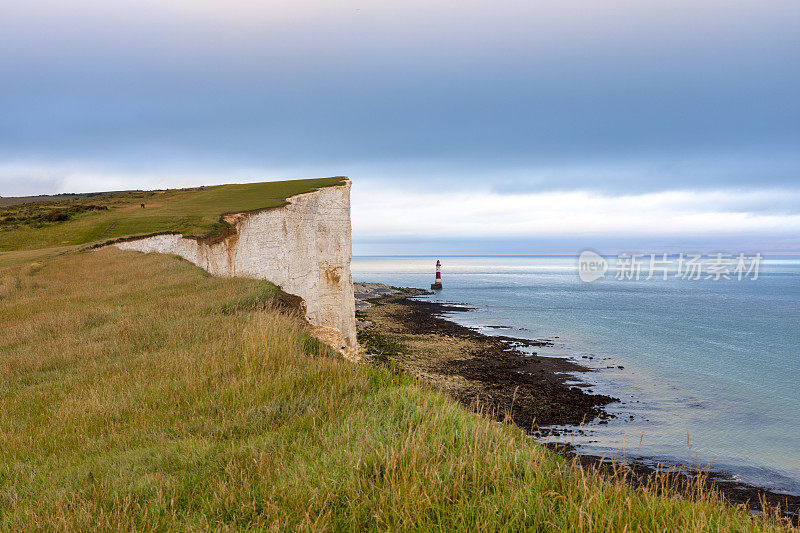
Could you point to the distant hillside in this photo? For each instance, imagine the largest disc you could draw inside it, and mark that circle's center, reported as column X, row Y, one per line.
column 16, row 200
column 75, row 220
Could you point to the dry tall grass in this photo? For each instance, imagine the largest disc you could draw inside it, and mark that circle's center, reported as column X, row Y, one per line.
column 136, row 392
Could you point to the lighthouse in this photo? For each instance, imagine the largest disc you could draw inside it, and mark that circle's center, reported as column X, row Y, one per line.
column 438, row 285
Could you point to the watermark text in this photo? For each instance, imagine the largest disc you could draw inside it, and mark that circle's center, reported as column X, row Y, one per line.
column 684, row 266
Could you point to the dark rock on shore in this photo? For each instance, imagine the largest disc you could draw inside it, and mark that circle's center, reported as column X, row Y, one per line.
column 492, row 374
column 487, row 370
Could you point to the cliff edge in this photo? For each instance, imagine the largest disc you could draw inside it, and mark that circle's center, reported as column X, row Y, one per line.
column 304, row 247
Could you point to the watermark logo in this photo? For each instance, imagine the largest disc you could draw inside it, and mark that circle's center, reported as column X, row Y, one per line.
column 688, row 267
column 591, row 266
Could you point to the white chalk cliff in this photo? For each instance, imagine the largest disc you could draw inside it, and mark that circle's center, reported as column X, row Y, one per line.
column 304, row 247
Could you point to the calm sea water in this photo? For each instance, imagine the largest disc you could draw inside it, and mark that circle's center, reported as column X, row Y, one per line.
column 711, row 368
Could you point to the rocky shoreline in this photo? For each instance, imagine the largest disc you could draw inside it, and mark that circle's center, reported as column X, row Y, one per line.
column 505, row 378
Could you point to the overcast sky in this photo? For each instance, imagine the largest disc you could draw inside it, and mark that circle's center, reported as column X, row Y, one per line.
column 467, row 126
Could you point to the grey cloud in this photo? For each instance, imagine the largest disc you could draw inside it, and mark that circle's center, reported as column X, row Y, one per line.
column 671, row 94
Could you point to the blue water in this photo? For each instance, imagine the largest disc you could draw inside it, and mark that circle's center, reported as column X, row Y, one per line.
column 711, row 368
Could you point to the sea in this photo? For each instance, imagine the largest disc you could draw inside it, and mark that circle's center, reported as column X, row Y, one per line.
column 707, row 368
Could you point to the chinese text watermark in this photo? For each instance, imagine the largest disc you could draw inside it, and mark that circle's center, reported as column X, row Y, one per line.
column 691, row 267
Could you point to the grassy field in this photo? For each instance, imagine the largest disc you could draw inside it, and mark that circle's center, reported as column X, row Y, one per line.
column 196, row 212
column 136, row 392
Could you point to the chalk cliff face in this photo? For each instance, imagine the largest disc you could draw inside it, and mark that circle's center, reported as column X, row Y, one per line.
column 304, row 247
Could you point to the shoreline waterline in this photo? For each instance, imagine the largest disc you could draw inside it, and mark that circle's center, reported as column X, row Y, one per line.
column 410, row 311
column 639, row 470
column 660, row 406
column 606, row 374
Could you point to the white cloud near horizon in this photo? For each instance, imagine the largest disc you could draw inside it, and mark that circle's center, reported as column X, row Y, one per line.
column 395, row 213
column 383, row 211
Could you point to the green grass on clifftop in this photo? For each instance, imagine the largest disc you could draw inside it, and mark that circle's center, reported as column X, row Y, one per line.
column 139, row 394
column 102, row 218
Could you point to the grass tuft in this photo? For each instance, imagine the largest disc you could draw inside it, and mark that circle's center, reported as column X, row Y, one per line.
column 261, row 297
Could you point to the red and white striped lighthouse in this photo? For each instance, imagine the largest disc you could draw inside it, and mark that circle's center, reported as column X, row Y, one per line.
column 438, row 285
